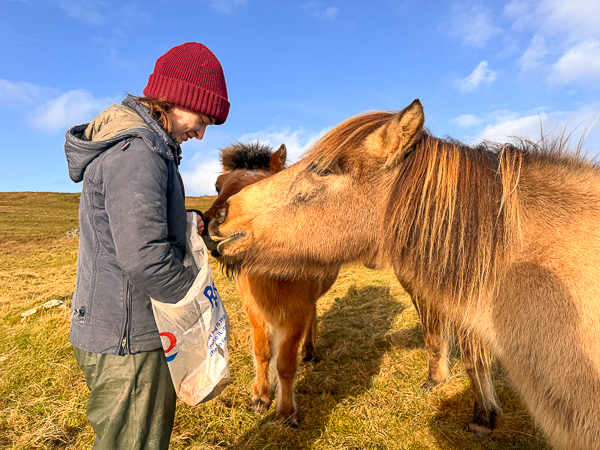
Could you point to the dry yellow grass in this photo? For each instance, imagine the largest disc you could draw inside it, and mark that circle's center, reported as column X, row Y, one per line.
column 363, row 394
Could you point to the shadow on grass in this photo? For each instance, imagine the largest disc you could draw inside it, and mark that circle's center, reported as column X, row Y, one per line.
column 352, row 339
column 409, row 338
column 514, row 427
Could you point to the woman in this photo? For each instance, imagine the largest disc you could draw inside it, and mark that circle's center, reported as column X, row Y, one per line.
column 132, row 221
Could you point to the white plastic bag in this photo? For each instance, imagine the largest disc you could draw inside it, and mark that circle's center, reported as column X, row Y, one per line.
column 195, row 330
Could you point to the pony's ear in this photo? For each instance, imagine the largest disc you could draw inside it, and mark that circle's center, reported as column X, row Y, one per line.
column 393, row 139
column 277, row 162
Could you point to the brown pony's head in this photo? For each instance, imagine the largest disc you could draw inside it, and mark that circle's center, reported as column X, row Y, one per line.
column 243, row 164
column 326, row 209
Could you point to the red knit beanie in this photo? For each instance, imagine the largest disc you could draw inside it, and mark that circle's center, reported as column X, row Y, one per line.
column 190, row 76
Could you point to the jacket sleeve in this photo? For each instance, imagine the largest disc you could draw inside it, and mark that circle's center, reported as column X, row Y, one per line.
column 135, row 190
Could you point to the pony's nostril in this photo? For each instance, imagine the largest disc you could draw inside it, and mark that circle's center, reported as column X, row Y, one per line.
column 221, row 214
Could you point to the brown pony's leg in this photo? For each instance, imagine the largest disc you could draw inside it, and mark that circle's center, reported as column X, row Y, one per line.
column 261, row 391
column 288, row 339
column 477, row 366
column 310, row 331
column 436, row 341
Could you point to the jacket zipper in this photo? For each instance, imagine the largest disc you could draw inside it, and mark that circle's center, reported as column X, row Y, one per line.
column 123, row 346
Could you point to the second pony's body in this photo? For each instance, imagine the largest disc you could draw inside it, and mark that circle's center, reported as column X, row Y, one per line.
column 281, row 312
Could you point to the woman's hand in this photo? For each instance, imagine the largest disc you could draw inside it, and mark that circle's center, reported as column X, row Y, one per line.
column 199, row 221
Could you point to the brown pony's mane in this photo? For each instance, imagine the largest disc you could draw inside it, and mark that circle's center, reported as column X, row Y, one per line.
column 453, row 209
column 247, row 156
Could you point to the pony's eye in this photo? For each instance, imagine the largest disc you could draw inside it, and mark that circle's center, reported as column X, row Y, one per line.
column 218, row 189
column 332, row 169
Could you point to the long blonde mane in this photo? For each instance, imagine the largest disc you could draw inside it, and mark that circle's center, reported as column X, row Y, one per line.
column 454, row 211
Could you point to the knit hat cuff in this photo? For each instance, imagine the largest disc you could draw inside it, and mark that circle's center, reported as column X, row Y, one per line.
column 189, row 96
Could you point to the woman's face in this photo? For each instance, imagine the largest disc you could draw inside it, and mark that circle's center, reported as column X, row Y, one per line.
column 188, row 124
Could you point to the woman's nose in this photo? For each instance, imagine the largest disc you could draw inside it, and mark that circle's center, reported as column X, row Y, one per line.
column 200, row 133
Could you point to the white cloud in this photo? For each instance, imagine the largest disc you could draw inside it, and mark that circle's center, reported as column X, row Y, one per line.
column 580, row 63
column 481, row 74
column 505, row 126
column 22, row 93
column 320, row 10
column 576, row 19
column 566, row 42
column 201, row 179
column 71, row 108
column 534, row 56
column 572, row 21
column 473, row 25
column 467, row 121
column 226, row 6
column 520, row 12
column 524, row 127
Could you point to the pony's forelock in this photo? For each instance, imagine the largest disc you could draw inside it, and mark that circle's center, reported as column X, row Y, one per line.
column 247, row 156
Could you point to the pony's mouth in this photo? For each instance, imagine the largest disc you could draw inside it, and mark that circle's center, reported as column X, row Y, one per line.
column 225, row 242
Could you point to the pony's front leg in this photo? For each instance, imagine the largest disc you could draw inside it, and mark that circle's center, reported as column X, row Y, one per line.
column 310, row 331
column 476, row 362
column 287, row 340
column 436, row 341
column 261, row 390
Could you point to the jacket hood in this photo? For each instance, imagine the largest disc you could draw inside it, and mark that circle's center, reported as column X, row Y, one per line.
column 84, row 143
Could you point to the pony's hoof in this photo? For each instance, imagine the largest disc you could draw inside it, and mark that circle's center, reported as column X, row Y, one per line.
column 483, row 422
column 479, row 430
column 260, row 406
column 310, row 357
column 309, row 354
column 291, row 421
column 429, row 385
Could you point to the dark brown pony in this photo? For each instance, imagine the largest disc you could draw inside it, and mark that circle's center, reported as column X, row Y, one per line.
column 502, row 240
column 281, row 311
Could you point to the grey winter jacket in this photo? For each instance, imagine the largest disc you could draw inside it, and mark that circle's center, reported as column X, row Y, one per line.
column 132, row 222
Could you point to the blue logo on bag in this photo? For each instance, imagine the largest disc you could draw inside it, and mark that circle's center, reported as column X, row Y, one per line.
column 172, row 343
column 210, row 292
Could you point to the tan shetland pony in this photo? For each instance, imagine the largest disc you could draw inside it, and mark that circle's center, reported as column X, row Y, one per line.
column 245, row 164
column 503, row 240
column 281, row 311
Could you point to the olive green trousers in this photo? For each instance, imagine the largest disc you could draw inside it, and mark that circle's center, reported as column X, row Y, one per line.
column 132, row 399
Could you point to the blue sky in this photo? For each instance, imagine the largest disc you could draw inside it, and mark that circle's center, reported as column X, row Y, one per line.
column 295, row 69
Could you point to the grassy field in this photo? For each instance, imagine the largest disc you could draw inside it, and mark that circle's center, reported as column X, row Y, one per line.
column 363, row 394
